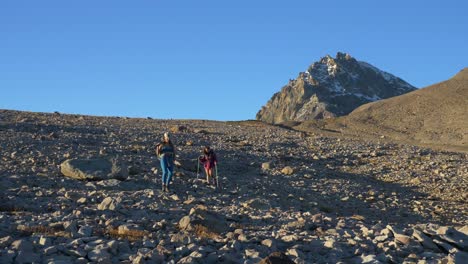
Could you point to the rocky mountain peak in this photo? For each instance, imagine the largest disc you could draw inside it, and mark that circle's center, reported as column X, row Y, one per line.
column 331, row 87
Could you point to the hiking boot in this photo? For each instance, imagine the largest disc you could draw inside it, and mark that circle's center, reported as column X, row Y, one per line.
column 163, row 188
column 166, row 189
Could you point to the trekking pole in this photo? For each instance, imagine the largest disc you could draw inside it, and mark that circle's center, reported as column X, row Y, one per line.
column 198, row 167
column 217, row 179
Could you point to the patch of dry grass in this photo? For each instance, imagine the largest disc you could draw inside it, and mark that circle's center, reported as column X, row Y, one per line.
column 10, row 209
column 203, row 232
column 131, row 235
column 45, row 230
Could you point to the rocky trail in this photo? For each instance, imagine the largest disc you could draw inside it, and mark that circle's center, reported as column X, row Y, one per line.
column 306, row 198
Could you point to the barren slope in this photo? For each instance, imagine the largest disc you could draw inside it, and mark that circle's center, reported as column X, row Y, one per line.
column 433, row 116
column 341, row 200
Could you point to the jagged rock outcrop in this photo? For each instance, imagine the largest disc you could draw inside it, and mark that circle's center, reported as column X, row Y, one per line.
column 331, row 87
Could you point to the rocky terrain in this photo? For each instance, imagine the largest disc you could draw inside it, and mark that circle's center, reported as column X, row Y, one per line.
column 80, row 189
column 331, row 87
column 434, row 116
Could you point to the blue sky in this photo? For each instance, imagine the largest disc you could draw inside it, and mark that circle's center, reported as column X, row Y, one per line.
column 219, row 60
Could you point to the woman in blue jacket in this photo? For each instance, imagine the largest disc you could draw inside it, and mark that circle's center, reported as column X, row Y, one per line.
column 166, row 154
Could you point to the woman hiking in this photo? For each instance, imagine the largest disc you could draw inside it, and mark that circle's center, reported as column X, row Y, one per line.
column 166, row 153
column 209, row 161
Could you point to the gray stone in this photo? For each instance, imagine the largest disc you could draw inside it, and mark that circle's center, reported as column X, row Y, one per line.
column 109, row 183
column 25, row 256
column 425, row 241
column 85, row 231
column 276, row 258
column 181, row 237
column 370, row 259
column 139, row 260
column 330, row 243
column 446, row 246
column 187, row 260
column 453, row 236
column 5, row 241
column 287, row 170
column 269, row 243
column 399, row 235
column 113, row 247
column 99, row 255
column 109, row 203
column 201, row 217
column 22, row 245
column 61, row 260
column 251, row 253
column 464, row 229
column 266, row 166
column 294, row 252
column 94, row 169
column 258, row 204
column 45, row 241
column 458, row 257
column 7, row 256
column 50, row 250
column 289, row 238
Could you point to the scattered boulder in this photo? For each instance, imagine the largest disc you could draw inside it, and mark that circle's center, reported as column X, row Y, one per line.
column 258, row 204
column 94, row 169
column 178, row 129
column 277, row 258
column 109, row 203
column 454, row 237
column 267, row 166
column 200, row 219
column 5, row 241
column 287, row 170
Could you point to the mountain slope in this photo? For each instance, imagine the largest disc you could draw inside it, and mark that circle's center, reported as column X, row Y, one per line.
column 331, row 87
column 435, row 115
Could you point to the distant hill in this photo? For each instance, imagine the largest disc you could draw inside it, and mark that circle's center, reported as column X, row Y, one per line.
column 436, row 115
column 331, row 87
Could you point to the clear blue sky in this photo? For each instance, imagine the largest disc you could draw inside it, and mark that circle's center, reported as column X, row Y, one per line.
column 218, row 60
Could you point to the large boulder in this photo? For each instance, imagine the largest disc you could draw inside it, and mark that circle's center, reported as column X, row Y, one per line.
column 94, row 169
column 200, row 219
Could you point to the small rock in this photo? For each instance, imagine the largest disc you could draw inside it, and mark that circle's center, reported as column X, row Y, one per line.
column 289, row 238
column 251, row 253
column 269, row 243
column 5, row 241
column 45, row 241
column 294, row 252
column 330, row 243
column 99, row 255
column 266, row 166
column 257, row 203
column 109, row 203
column 287, row 170
column 85, row 231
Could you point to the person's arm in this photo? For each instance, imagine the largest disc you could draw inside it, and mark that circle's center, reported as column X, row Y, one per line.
column 202, row 159
column 158, row 149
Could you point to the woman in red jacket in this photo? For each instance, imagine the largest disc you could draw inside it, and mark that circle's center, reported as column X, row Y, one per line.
column 209, row 161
